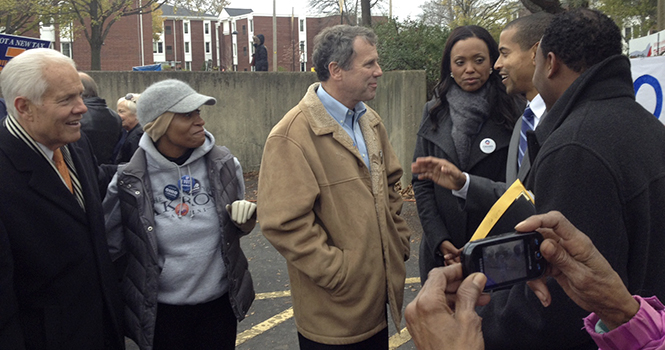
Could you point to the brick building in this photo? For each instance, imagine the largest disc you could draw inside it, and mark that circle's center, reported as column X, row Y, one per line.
column 196, row 42
column 188, row 40
column 128, row 44
column 295, row 37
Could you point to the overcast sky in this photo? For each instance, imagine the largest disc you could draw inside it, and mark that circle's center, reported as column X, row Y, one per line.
column 401, row 8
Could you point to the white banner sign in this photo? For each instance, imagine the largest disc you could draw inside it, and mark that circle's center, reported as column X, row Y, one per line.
column 647, row 46
column 649, row 81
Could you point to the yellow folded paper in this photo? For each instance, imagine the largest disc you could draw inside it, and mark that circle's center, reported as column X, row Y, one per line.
column 514, row 194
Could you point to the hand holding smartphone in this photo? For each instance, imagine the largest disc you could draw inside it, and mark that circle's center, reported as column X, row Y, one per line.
column 505, row 259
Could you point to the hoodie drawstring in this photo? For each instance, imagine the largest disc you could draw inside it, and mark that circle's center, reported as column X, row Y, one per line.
column 191, row 189
column 180, row 185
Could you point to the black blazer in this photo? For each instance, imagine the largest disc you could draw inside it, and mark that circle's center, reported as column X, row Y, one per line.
column 58, row 289
column 440, row 212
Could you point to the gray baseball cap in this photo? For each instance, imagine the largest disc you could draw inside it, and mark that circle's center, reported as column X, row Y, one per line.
column 169, row 96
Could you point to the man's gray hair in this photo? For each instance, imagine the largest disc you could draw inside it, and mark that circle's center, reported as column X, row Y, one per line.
column 89, row 86
column 335, row 44
column 24, row 75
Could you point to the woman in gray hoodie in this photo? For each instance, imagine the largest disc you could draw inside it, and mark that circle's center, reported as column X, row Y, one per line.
column 174, row 217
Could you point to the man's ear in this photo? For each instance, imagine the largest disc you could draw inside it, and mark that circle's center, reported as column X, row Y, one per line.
column 533, row 50
column 23, row 107
column 552, row 64
column 335, row 70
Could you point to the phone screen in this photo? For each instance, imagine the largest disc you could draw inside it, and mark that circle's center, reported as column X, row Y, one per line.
column 504, row 262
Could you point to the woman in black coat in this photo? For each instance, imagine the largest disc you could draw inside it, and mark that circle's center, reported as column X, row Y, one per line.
column 468, row 122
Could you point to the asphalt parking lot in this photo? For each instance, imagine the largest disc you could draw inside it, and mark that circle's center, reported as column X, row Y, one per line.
column 269, row 324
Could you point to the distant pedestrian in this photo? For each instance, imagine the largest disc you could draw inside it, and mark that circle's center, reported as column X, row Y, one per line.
column 260, row 56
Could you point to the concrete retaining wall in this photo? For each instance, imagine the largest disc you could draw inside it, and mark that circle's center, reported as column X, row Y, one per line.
column 250, row 103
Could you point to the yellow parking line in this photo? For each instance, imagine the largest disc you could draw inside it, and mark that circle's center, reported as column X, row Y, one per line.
column 264, row 326
column 395, row 341
column 412, row 280
column 273, row 295
column 287, row 293
column 399, row 339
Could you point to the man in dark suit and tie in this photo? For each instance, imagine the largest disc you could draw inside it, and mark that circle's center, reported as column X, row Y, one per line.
column 517, row 44
column 58, row 289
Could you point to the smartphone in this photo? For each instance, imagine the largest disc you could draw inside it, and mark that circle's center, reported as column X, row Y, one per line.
column 505, row 259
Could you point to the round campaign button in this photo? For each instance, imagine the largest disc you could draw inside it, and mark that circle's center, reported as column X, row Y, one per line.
column 185, row 183
column 171, row 192
column 487, row 145
column 196, row 188
column 182, row 209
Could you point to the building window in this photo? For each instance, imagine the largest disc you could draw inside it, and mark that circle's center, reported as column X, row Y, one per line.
column 207, row 47
column 628, row 33
column 185, row 27
column 167, row 30
column 251, row 25
column 188, row 66
column 169, row 50
column 244, row 50
column 157, row 47
column 302, row 25
column 207, row 28
column 244, row 29
column 66, row 49
column 186, row 46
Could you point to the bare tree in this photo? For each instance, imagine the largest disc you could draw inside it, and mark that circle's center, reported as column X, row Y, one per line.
column 490, row 14
column 351, row 8
column 553, row 6
column 365, row 6
column 332, row 7
column 96, row 17
column 21, row 16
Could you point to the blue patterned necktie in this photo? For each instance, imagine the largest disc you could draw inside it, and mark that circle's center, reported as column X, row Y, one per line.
column 527, row 125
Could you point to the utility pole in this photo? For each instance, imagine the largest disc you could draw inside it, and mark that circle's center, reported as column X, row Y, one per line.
column 661, row 15
column 293, row 44
column 274, row 35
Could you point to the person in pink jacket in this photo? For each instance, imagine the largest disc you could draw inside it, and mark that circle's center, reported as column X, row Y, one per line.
column 443, row 314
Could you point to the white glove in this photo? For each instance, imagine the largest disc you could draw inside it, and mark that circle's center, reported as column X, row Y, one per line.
column 241, row 211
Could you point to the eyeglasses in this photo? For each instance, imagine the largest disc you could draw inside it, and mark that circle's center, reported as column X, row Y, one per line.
column 130, row 97
column 192, row 113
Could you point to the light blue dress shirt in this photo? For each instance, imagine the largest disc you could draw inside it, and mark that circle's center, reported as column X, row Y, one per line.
column 348, row 119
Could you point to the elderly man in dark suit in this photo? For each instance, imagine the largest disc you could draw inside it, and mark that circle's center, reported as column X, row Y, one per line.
column 57, row 285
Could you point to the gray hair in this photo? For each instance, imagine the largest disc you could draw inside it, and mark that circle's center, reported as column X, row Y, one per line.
column 24, row 75
column 335, row 44
column 89, row 86
column 130, row 103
